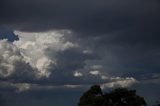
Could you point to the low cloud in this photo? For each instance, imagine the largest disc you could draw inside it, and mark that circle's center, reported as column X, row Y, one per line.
column 35, row 50
column 120, row 82
column 21, row 87
column 11, row 60
column 47, row 57
column 40, row 49
column 78, row 74
column 95, row 72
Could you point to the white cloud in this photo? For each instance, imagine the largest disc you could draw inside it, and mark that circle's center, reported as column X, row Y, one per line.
column 72, row 86
column 94, row 72
column 37, row 50
column 119, row 82
column 34, row 56
column 9, row 57
column 103, row 77
column 36, row 47
column 78, row 74
column 87, row 51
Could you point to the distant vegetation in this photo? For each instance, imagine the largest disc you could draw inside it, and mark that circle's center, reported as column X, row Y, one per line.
column 118, row 97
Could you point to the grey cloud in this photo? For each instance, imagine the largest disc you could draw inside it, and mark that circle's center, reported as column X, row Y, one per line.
column 48, row 59
column 10, row 57
column 26, row 59
column 44, row 58
column 95, row 17
column 120, row 36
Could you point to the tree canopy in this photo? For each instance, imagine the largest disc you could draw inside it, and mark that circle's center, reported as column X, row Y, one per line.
column 118, row 97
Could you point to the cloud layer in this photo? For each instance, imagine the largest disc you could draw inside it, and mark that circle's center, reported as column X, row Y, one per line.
column 68, row 44
column 40, row 58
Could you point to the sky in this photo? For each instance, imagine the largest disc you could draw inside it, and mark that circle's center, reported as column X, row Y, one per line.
column 51, row 51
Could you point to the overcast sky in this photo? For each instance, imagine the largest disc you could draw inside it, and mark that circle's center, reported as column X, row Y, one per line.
column 51, row 51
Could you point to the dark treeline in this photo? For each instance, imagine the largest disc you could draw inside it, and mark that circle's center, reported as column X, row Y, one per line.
column 118, row 97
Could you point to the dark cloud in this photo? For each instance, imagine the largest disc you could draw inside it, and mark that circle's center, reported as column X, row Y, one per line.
column 121, row 36
column 90, row 16
column 73, row 59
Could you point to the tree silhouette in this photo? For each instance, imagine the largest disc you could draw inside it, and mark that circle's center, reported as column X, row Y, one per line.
column 92, row 97
column 117, row 97
column 158, row 103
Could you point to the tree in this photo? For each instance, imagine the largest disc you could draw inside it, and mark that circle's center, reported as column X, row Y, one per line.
column 92, row 97
column 158, row 103
column 117, row 97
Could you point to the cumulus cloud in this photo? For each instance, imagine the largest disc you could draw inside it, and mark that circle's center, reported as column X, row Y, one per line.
column 10, row 57
column 35, row 50
column 95, row 72
column 119, row 82
column 78, row 74
column 39, row 57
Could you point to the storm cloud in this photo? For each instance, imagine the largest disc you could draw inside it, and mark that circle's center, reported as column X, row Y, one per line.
column 38, row 59
column 61, row 44
column 89, row 16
